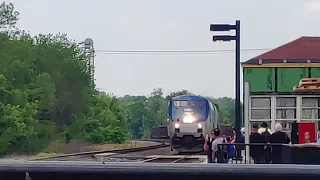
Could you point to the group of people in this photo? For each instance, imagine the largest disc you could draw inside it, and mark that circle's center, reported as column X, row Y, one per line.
column 265, row 154
column 260, row 151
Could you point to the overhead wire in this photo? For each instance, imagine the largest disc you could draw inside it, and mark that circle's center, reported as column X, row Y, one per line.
column 174, row 52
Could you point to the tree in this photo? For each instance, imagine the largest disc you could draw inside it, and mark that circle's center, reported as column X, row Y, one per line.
column 157, row 109
column 8, row 16
column 103, row 123
column 137, row 110
column 146, row 112
column 46, row 91
column 178, row 93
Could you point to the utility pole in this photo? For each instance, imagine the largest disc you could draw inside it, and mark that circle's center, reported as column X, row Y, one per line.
column 90, row 54
column 236, row 38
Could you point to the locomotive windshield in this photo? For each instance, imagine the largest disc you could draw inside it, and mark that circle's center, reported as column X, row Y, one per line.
column 180, row 103
column 197, row 108
column 189, row 103
column 197, row 103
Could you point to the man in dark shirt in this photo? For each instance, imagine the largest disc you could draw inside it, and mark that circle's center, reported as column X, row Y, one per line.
column 256, row 151
column 279, row 137
column 266, row 132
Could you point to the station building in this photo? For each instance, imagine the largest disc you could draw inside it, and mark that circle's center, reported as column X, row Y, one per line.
column 272, row 78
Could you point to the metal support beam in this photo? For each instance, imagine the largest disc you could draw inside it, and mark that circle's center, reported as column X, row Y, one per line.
column 237, row 89
column 90, row 54
column 236, row 27
column 246, row 96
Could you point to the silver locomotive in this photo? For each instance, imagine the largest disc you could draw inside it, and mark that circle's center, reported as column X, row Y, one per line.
column 191, row 118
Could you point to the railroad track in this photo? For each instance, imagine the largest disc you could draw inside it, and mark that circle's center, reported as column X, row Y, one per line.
column 154, row 140
column 172, row 158
column 191, row 158
column 90, row 155
column 138, row 155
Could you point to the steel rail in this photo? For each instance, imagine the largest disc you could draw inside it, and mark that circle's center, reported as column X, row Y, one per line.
column 91, row 154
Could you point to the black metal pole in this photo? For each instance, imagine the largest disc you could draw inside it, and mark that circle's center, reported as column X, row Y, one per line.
column 237, row 100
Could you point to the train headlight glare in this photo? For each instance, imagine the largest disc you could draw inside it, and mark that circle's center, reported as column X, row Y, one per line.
column 176, row 125
column 188, row 119
column 199, row 126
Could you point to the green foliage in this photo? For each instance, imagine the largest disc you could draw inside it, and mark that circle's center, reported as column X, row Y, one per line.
column 47, row 98
column 226, row 109
column 8, row 16
column 46, row 93
column 178, row 93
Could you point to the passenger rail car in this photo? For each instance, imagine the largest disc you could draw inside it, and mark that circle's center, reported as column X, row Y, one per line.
column 191, row 118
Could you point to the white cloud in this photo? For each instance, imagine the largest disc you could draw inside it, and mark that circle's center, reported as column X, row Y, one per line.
column 314, row 5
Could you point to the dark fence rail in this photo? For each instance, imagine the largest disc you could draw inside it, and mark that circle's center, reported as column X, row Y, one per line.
column 19, row 170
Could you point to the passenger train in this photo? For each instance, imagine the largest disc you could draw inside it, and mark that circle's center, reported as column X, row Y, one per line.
column 191, row 118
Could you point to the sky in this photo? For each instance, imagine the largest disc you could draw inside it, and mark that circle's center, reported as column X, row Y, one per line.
column 122, row 25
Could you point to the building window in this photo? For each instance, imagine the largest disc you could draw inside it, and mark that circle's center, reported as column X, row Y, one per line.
column 260, row 108
column 286, row 108
column 310, row 108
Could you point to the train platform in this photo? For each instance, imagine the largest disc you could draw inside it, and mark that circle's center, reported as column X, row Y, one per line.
column 176, row 159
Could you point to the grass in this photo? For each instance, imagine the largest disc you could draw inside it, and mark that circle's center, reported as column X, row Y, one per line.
column 45, row 155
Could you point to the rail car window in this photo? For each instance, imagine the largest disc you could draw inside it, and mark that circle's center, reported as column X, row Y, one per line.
column 180, row 103
column 197, row 103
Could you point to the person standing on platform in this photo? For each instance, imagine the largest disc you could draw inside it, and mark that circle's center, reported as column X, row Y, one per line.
column 231, row 148
column 318, row 136
column 266, row 132
column 256, row 151
column 307, row 137
column 240, row 146
column 219, row 150
column 233, row 140
column 208, row 146
column 279, row 137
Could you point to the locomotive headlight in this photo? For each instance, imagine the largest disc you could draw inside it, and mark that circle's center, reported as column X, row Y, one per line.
column 189, row 119
column 199, row 126
column 177, row 125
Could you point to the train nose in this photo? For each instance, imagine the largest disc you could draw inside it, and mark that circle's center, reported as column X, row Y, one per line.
column 189, row 142
column 189, row 128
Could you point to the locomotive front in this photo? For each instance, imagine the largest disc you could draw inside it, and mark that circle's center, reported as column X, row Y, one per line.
column 187, row 123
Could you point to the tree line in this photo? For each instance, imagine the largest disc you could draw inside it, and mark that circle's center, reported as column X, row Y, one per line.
column 47, row 95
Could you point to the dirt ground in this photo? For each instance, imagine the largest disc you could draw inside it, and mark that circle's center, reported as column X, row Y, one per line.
column 159, row 151
column 77, row 146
